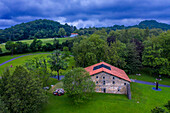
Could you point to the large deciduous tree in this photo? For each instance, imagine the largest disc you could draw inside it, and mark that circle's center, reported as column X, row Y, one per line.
column 89, row 51
column 10, row 45
column 38, row 66
column 36, row 45
column 78, row 85
column 115, row 54
column 62, row 32
column 21, row 91
column 57, row 62
column 0, row 51
column 132, row 58
column 156, row 54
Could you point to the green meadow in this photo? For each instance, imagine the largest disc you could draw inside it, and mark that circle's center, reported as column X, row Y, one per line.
column 143, row 100
column 47, row 40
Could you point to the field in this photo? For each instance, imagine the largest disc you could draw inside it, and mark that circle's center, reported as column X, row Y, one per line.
column 47, row 40
column 143, row 100
column 22, row 60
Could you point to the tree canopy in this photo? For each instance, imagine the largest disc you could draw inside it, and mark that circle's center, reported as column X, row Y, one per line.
column 78, row 85
column 21, row 91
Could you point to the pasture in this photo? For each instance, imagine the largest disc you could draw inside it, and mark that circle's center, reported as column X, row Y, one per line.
column 47, row 40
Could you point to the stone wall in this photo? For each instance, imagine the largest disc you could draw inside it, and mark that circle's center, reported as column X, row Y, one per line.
column 107, row 83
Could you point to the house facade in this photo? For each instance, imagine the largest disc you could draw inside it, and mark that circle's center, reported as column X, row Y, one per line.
column 108, row 79
column 74, row 34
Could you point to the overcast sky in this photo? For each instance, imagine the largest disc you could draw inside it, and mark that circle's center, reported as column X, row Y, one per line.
column 84, row 13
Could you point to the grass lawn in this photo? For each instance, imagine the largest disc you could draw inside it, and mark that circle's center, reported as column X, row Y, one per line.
column 22, row 60
column 47, row 40
column 112, row 103
column 19, row 61
column 8, row 57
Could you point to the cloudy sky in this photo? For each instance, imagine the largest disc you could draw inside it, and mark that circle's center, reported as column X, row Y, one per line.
column 84, row 13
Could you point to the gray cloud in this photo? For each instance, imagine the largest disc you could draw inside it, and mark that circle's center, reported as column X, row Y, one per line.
column 84, row 13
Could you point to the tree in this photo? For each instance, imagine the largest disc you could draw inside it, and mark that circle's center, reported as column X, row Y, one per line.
column 146, row 33
column 168, row 105
column 21, row 47
column 36, row 45
column 3, row 108
column 102, row 33
column 38, row 66
column 158, row 110
column 56, row 62
column 66, row 52
column 10, row 45
column 0, row 51
column 78, row 85
column 62, row 32
column 48, row 47
column 92, row 47
column 115, row 54
column 132, row 59
column 21, row 91
column 56, row 44
column 156, row 53
column 113, row 35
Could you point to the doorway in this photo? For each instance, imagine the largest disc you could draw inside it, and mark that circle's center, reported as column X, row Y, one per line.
column 104, row 90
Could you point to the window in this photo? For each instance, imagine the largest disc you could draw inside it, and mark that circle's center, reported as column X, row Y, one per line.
column 96, row 82
column 113, row 82
column 100, row 66
column 96, row 76
column 124, row 83
column 103, row 77
column 113, row 77
column 103, row 82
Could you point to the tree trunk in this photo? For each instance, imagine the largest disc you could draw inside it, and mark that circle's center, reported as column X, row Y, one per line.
column 12, row 51
column 58, row 74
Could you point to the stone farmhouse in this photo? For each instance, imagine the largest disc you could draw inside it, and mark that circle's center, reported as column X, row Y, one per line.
column 108, row 79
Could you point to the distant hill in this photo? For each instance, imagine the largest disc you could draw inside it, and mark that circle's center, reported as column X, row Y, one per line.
column 41, row 28
column 151, row 24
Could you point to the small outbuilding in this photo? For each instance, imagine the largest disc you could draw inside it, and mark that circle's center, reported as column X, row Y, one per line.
column 108, row 78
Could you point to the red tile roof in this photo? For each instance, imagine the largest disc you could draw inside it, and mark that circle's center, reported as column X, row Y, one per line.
column 74, row 33
column 114, row 71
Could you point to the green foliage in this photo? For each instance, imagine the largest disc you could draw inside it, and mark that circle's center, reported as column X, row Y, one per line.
column 21, row 47
column 92, row 47
column 0, row 51
column 10, row 45
column 38, row 66
column 66, row 52
column 61, row 32
column 115, row 54
column 156, row 53
column 168, row 105
column 158, row 110
column 57, row 62
column 3, row 108
column 132, row 59
column 41, row 28
column 102, row 33
column 36, row 45
column 78, row 85
column 56, row 44
column 21, row 91
column 48, row 47
column 113, row 36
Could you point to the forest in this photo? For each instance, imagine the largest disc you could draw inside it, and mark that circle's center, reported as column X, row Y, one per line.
column 35, row 29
